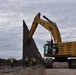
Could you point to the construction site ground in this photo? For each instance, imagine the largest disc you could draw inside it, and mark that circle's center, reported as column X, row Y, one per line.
column 59, row 69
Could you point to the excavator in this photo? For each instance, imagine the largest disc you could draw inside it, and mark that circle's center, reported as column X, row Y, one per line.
column 61, row 51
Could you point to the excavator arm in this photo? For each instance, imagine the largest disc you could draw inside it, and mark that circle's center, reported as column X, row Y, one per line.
column 49, row 25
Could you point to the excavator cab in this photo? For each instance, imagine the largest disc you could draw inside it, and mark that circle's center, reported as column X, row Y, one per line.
column 51, row 48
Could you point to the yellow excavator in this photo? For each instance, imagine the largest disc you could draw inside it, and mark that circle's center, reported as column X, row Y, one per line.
column 61, row 51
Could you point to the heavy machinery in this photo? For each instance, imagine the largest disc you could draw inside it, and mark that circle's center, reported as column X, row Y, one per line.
column 58, row 49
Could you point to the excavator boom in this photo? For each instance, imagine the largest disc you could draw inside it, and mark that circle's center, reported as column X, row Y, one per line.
column 49, row 25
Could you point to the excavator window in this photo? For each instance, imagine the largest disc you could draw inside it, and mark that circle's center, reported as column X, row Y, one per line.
column 48, row 49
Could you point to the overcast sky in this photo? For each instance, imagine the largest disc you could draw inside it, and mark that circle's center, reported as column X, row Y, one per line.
column 12, row 13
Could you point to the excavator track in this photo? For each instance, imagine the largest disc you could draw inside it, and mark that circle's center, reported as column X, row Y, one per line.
column 72, row 63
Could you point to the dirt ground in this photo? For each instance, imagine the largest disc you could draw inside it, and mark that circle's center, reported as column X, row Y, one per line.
column 59, row 69
column 37, row 70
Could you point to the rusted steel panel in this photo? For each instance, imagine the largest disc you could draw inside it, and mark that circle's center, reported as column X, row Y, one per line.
column 29, row 50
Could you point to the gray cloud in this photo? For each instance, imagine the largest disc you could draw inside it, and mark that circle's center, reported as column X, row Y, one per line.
column 12, row 12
